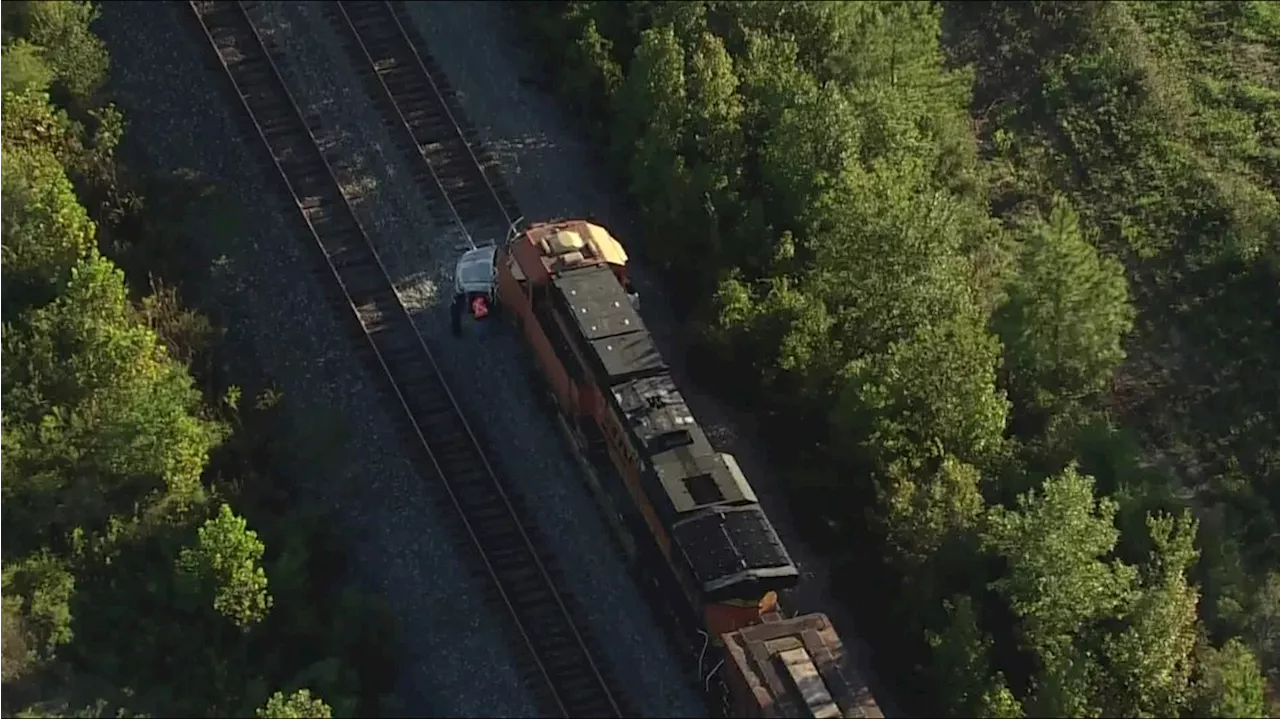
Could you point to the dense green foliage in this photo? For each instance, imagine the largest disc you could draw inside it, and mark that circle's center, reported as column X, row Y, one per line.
column 1014, row 268
column 132, row 579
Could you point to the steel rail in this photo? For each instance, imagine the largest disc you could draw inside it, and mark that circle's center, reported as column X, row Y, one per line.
column 406, row 57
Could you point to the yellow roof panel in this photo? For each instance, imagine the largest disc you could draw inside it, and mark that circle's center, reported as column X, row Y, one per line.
column 608, row 248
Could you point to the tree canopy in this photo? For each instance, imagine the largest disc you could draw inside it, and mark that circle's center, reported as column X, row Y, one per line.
column 133, row 582
column 1014, row 269
column 298, row 705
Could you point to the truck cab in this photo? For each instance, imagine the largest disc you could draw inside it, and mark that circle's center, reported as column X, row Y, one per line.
column 475, row 272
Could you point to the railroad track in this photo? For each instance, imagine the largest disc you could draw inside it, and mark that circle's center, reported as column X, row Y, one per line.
column 462, row 181
column 567, row 677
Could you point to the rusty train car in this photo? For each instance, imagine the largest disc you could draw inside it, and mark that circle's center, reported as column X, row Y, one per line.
column 683, row 511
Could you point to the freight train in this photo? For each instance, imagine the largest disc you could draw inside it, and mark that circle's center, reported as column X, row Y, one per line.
column 684, row 512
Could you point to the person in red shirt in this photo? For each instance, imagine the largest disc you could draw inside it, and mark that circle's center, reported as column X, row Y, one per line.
column 478, row 305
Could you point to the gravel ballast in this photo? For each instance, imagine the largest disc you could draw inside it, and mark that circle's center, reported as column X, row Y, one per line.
column 181, row 119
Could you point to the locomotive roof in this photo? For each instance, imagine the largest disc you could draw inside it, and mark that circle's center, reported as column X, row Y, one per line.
column 798, row 667
column 628, row 355
column 727, row 546
column 599, row 304
column 561, row 239
column 714, row 515
column 546, row 249
column 608, row 321
column 692, row 473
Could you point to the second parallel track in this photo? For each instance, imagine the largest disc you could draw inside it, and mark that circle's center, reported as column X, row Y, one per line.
column 462, row 182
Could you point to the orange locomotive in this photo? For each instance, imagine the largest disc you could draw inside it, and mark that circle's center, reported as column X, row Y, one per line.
column 678, row 502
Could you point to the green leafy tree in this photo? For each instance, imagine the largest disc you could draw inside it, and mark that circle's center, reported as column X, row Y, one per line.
column 925, row 509
column 961, row 665
column 1151, row 660
column 18, row 655
column 1059, row 581
column 33, row 124
column 1067, row 684
column 50, row 709
column 227, row 560
column 789, row 327
column 770, row 79
column 888, row 252
column 1229, row 682
column 298, row 705
column 1067, row 312
column 1066, row 591
column 591, row 75
column 712, row 146
column 45, row 229
column 999, row 703
column 935, row 389
column 1264, row 620
column 804, row 154
column 61, row 29
column 107, row 446
column 22, row 68
column 37, row 597
column 714, row 111
column 686, row 19
column 1056, row 543
column 98, row 417
column 649, row 124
